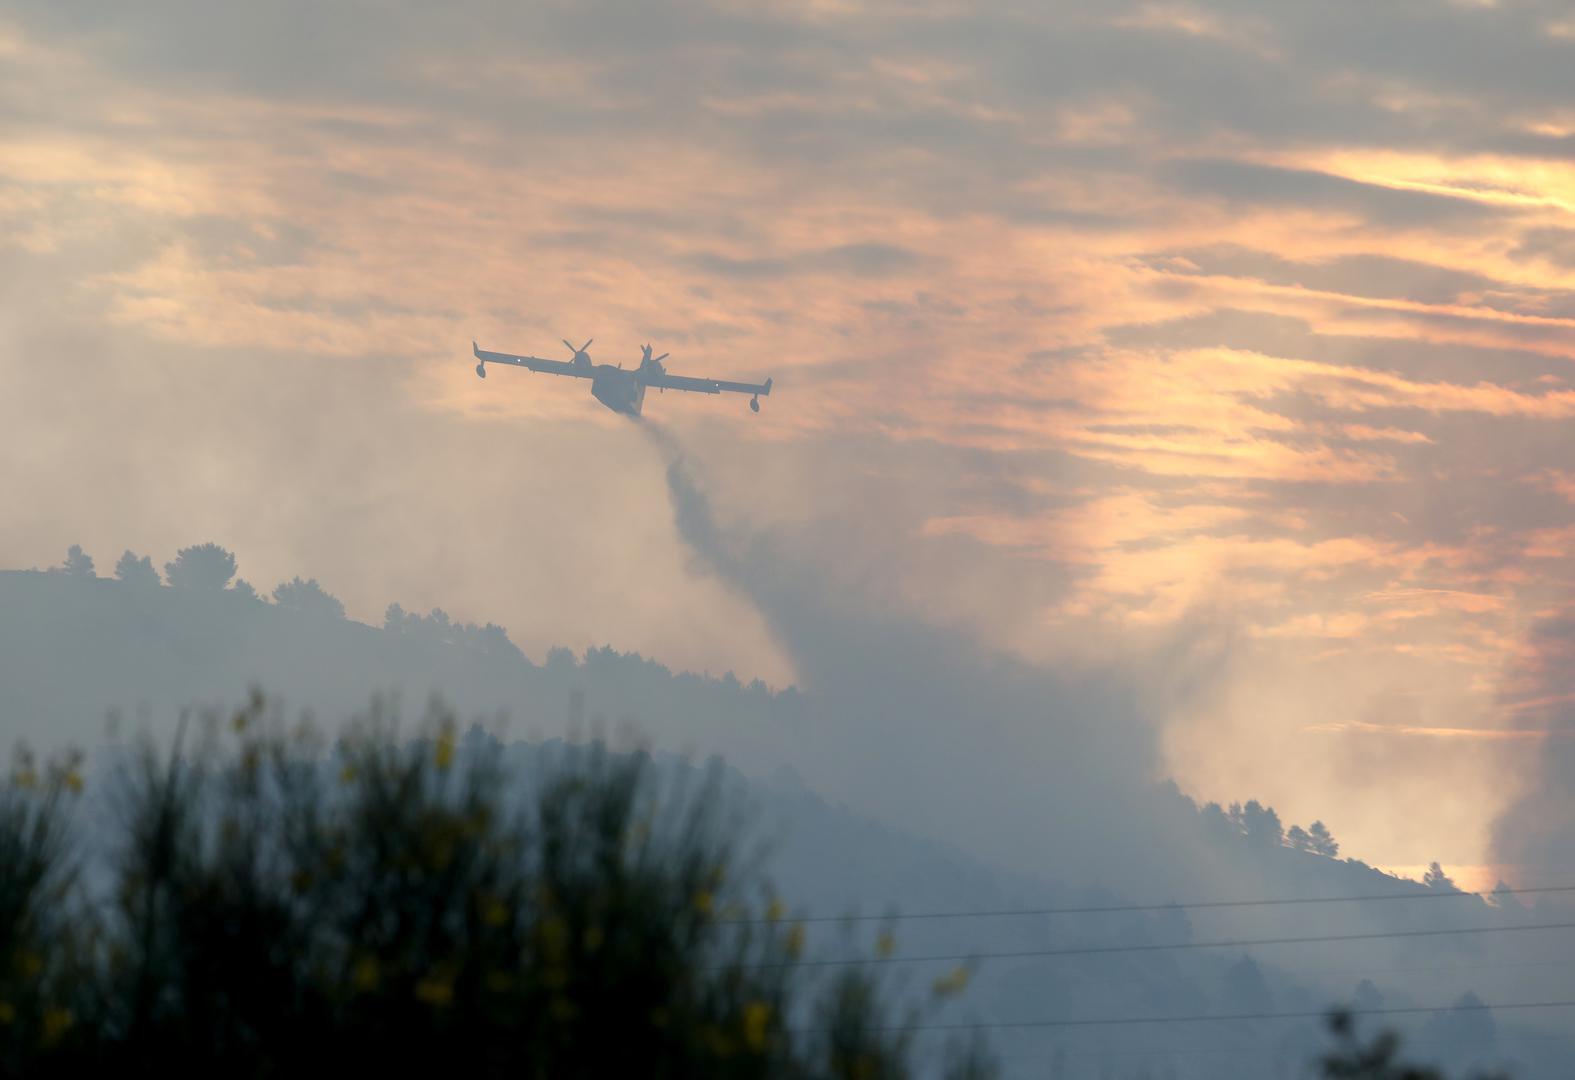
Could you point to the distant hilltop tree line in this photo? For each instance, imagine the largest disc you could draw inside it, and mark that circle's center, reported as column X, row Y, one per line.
column 211, row 568
column 205, row 568
column 1260, row 828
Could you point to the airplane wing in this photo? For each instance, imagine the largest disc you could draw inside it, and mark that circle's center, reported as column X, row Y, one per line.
column 534, row 363
column 665, row 381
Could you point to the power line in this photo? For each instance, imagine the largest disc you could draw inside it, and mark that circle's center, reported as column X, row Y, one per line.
column 1197, row 905
column 1474, row 965
column 1113, row 1021
column 1237, row 943
column 1509, row 1041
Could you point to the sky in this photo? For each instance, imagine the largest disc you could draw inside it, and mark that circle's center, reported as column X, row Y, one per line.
column 1224, row 349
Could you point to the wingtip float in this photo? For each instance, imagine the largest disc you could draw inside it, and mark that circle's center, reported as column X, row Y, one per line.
column 622, row 391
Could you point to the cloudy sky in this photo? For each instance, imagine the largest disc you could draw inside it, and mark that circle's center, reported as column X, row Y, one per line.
column 1226, row 345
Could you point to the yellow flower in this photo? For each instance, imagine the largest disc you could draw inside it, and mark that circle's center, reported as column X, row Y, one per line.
column 434, row 991
column 719, row 1043
column 443, row 755
column 757, row 1014
column 795, row 941
column 73, row 781
column 886, row 944
column 952, row 983
column 57, row 1022
column 703, row 902
column 555, row 950
column 494, row 912
column 365, row 976
column 25, row 778
column 774, row 910
column 347, row 774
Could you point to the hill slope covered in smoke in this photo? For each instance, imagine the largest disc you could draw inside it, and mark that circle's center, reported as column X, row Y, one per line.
column 76, row 647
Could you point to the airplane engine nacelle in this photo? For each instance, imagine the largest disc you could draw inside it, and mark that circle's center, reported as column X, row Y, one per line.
column 481, row 371
column 754, row 404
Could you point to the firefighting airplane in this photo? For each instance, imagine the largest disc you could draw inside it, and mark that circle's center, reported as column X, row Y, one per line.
column 621, row 391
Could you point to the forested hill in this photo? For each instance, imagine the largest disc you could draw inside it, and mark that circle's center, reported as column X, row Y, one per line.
column 74, row 648
column 77, row 648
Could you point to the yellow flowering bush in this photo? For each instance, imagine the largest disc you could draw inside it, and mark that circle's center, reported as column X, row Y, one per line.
column 274, row 906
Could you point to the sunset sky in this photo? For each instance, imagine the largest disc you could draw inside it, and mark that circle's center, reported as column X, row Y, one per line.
column 1227, row 346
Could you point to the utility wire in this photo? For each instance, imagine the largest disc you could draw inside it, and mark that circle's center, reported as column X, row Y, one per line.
column 1198, row 905
column 1236, row 943
column 1508, row 1041
column 1113, row 1021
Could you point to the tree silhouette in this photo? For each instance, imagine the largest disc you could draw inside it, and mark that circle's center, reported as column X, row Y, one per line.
column 137, row 571
column 1467, row 1027
column 489, row 640
column 1377, row 1058
column 1218, row 825
column 1315, row 838
column 1262, row 825
column 78, row 562
column 307, row 597
column 202, row 566
column 1435, row 878
column 242, row 587
column 1246, row 990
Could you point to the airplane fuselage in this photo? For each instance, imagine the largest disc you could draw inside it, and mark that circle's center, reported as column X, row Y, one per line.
column 620, row 390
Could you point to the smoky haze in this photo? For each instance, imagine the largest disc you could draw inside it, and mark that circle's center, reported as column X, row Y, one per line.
column 911, row 771
column 928, row 728
column 1165, row 391
column 1534, row 835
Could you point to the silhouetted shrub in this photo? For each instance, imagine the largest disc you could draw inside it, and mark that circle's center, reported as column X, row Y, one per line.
column 1377, row 1058
column 275, row 908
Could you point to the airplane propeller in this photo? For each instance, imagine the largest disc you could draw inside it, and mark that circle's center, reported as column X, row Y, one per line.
column 580, row 351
